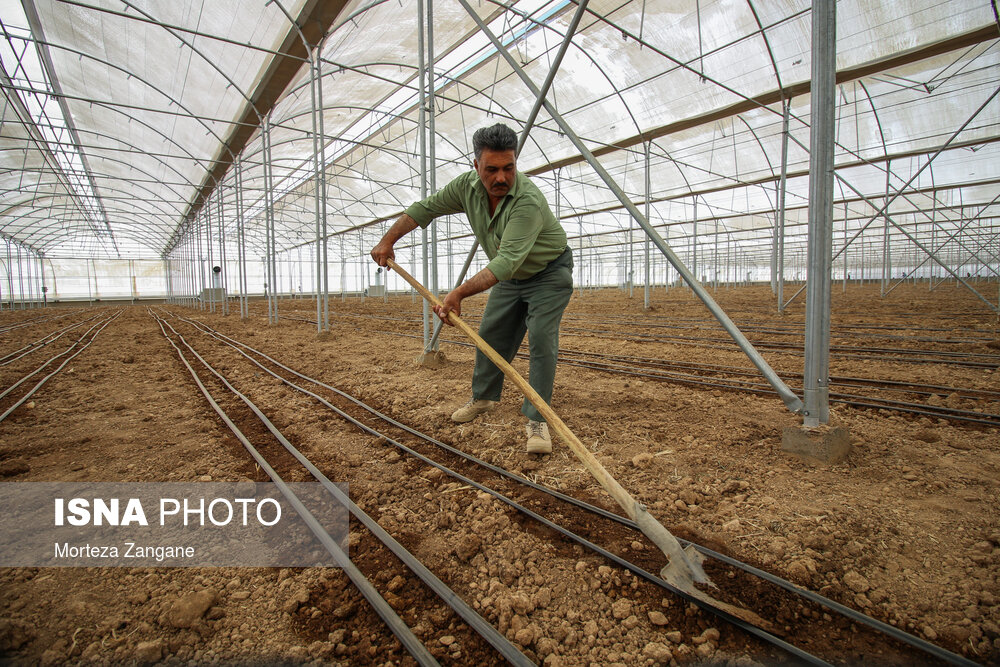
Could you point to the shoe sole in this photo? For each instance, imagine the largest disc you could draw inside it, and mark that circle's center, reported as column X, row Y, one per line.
column 540, row 449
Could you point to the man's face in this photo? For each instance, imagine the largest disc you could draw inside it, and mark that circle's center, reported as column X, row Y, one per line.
column 496, row 170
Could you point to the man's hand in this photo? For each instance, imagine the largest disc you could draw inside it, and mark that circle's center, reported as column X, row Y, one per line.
column 450, row 304
column 383, row 252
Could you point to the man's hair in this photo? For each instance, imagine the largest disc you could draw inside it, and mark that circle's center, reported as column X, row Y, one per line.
column 497, row 137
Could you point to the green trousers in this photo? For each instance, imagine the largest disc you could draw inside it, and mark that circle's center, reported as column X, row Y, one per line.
column 534, row 306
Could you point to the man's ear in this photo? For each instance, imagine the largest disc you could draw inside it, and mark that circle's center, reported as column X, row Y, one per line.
column 475, row 164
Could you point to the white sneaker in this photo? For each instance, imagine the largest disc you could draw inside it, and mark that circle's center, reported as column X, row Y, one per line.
column 539, row 441
column 471, row 410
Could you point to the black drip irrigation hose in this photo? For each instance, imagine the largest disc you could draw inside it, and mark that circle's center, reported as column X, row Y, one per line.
column 843, row 610
column 28, row 323
column 955, row 414
column 44, row 341
column 31, row 392
column 990, row 360
column 843, row 380
column 381, row 607
column 952, row 414
column 743, row 625
column 452, row 599
column 798, row 331
column 904, row 355
column 364, row 586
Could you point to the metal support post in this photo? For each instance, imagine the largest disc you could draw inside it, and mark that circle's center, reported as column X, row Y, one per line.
column 715, row 254
column 694, row 240
column 30, row 278
column 10, row 278
column 422, row 142
column 322, row 176
column 816, row 379
column 846, row 214
column 241, row 263
column 318, row 159
column 169, row 279
column 431, row 150
column 521, row 141
column 211, row 257
column 20, row 279
column 779, row 232
column 222, row 255
column 271, row 271
column 201, row 264
column 646, row 280
column 631, row 259
column 786, row 394
column 886, row 263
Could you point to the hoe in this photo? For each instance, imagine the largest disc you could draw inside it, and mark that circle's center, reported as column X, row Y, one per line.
column 683, row 569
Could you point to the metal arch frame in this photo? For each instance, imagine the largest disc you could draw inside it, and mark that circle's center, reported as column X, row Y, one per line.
column 13, row 219
column 45, row 60
column 399, row 117
column 481, row 91
column 117, row 107
column 139, row 184
column 764, row 100
column 452, row 81
column 315, row 14
column 36, row 139
column 27, row 215
column 890, row 174
column 60, row 233
column 546, row 26
column 196, row 33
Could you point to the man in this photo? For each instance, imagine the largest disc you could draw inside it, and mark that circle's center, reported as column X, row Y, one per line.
column 530, row 271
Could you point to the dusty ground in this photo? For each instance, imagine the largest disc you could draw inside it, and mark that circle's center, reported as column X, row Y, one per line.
column 906, row 530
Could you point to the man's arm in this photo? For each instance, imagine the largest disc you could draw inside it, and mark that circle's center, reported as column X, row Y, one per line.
column 383, row 251
column 480, row 282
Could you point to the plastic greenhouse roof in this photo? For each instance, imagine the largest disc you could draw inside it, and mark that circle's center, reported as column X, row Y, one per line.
column 119, row 116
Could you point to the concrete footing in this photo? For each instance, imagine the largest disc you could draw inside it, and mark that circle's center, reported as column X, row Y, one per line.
column 823, row 444
column 430, row 359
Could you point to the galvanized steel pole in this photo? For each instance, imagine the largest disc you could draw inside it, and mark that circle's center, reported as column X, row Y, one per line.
column 816, row 379
column 325, row 257
column 645, row 291
column 317, row 159
column 779, row 233
column 431, row 152
column 522, row 140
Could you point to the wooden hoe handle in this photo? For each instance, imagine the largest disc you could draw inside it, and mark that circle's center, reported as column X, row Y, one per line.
column 683, row 570
column 603, row 477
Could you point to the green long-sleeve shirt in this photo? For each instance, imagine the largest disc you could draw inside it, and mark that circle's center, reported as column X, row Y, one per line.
column 520, row 239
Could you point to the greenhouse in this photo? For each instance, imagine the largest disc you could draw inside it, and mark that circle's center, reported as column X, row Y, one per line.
column 782, row 224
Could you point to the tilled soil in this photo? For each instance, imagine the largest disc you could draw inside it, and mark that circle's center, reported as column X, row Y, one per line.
column 907, row 529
